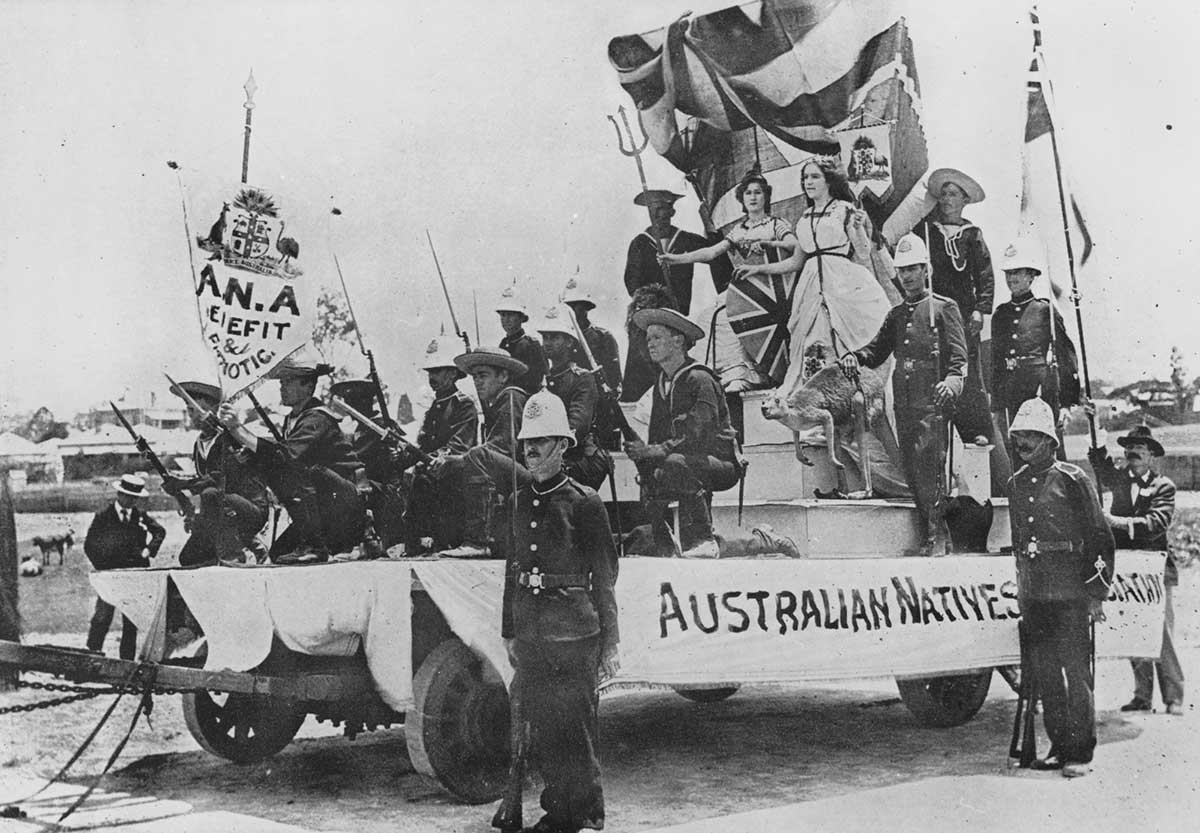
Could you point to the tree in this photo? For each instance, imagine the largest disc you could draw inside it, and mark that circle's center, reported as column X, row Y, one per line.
column 334, row 332
column 1179, row 380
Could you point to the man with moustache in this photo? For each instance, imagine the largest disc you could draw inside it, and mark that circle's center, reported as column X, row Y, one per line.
column 1143, row 503
column 559, row 619
column 1064, row 553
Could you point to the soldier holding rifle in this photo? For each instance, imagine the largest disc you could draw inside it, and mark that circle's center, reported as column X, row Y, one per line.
column 519, row 344
column 1064, row 551
column 559, row 623
column 385, row 501
column 309, row 464
column 234, row 503
column 597, row 351
column 925, row 334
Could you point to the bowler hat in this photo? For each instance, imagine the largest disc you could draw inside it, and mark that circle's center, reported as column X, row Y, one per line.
column 1140, row 435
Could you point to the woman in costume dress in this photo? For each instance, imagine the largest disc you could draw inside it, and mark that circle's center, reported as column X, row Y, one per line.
column 756, row 308
column 838, row 301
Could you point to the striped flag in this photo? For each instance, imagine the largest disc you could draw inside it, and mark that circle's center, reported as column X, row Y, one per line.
column 775, row 82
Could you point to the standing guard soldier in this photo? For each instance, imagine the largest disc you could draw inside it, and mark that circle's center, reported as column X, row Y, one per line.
column 692, row 450
column 495, row 465
column 927, row 379
column 519, row 344
column 1143, row 503
column 559, row 620
column 234, row 503
column 385, row 501
column 312, row 468
column 1024, row 347
column 1064, row 552
column 585, row 461
column 448, row 431
column 603, row 347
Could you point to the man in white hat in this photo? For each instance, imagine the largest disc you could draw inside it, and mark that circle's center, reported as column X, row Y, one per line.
column 122, row 535
column 600, row 342
column 519, row 344
column 448, row 431
column 961, row 270
column 1022, row 340
column 923, row 388
column 234, row 503
column 692, row 449
column 559, row 619
column 585, row 461
column 314, row 470
column 1064, row 553
column 494, row 466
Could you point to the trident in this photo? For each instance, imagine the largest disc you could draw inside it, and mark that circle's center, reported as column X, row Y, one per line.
column 636, row 152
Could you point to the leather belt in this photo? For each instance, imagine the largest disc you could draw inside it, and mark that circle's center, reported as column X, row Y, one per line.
column 1035, row 547
column 537, row 581
column 1013, row 362
column 909, row 365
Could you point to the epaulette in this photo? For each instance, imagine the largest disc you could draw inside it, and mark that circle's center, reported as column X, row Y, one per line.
column 943, row 298
column 1070, row 470
column 578, row 487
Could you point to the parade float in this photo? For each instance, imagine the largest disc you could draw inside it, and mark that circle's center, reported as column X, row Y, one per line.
column 371, row 644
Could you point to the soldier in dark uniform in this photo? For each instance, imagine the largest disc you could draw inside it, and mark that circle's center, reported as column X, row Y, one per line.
column 493, row 466
column 448, row 431
column 692, row 450
column 314, row 470
column 520, row 345
column 585, row 461
column 559, row 620
column 642, row 269
column 1021, row 342
column 961, row 268
column 121, row 536
column 603, row 347
column 923, row 387
column 1064, row 552
column 234, row 503
column 1143, row 503
column 385, row 498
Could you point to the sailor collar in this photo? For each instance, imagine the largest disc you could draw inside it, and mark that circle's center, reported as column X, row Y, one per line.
column 541, row 490
column 666, row 385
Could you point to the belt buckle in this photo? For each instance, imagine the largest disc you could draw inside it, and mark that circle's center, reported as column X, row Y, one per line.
column 534, row 581
column 1010, row 364
column 910, row 365
column 1031, row 549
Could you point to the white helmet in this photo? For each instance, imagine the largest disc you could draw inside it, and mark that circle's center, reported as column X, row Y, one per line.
column 910, row 251
column 575, row 293
column 509, row 302
column 1024, row 253
column 439, row 354
column 556, row 321
column 1034, row 415
column 545, row 416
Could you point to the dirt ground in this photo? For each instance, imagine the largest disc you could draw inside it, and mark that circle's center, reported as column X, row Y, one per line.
column 667, row 760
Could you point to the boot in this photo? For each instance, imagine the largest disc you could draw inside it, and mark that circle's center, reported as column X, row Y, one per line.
column 476, row 494
column 664, row 544
column 773, row 543
column 695, row 521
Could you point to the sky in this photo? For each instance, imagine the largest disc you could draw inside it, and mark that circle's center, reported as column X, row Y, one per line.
column 485, row 123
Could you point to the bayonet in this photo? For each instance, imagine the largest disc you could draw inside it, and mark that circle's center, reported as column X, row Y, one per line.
column 461, row 333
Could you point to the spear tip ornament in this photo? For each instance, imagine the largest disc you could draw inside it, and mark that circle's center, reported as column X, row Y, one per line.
column 251, row 88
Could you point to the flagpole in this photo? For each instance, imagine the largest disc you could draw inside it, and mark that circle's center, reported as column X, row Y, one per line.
column 1040, row 57
column 250, row 87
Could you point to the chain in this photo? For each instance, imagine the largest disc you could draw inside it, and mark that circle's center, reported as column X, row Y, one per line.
column 83, row 692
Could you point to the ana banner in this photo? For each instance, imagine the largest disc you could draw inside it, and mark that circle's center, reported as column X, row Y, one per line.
column 255, row 293
column 743, row 621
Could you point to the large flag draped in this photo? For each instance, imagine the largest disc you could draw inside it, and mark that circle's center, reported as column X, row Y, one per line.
column 774, row 82
column 1049, row 211
column 255, row 293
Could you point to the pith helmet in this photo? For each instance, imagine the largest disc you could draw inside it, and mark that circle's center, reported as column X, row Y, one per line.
column 439, row 355
column 509, row 302
column 556, row 321
column 545, row 416
column 910, row 251
column 574, row 293
column 1023, row 253
column 1034, row 415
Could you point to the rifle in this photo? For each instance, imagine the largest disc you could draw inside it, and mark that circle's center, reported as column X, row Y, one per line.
column 392, row 436
column 508, row 816
column 608, row 394
column 1023, row 746
column 939, row 420
column 185, row 504
column 370, row 355
column 461, row 333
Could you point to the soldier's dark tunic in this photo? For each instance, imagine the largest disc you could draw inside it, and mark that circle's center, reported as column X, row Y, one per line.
column 1020, row 347
column 490, row 466
column 1064, row 553
column 233, row 502
column 961, row 268
column 585, row 461
column 527, row 350
column 906, row 334
column 561, row 631
column 642, row 269
column 603, row 347
column 314, row 473
column 386, row 498
column 435, row 505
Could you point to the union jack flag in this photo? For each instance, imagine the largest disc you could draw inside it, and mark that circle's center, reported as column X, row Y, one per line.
column 758, row 310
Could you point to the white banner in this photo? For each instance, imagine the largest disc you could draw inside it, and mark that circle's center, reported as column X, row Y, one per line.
column 255, row 293
column 742, row 621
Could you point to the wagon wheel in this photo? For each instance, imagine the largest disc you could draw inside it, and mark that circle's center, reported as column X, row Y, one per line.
column 457, row 731
column 945, row 701
column 708, row 695
column 241, row 727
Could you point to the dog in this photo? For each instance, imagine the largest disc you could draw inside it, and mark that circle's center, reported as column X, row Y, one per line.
column 968, row 521
column 54, row 543
column 827, row 398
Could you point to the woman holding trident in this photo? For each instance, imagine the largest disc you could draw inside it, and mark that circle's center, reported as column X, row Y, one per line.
column 837, row 300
